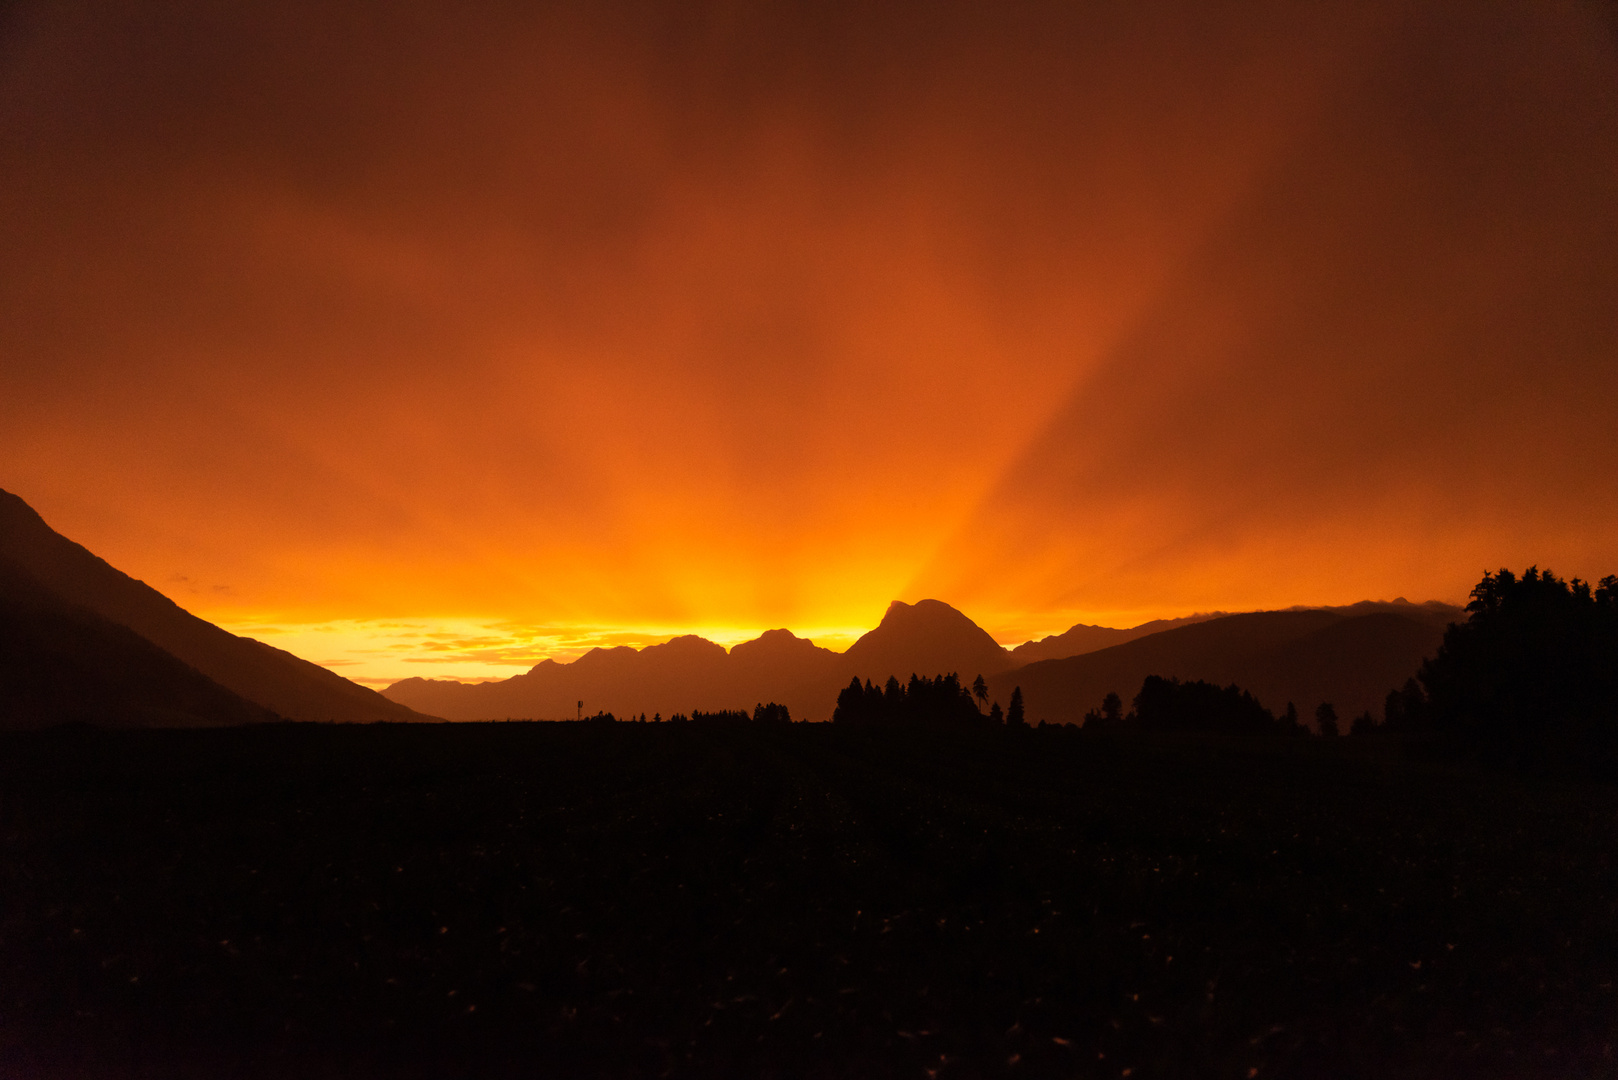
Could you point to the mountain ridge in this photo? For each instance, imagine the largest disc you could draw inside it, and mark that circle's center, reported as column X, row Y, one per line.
column 61, row 663
column 1351, row 655
column 927, row 638
column 272, row 678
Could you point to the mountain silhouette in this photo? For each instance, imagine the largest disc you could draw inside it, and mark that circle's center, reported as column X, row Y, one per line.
column 262, row 674
column 687, row 673
column 60, row 663
column 1083, row 638
column 679, row 675
column 926, row 638
column 780, row 666
column 1350, row 656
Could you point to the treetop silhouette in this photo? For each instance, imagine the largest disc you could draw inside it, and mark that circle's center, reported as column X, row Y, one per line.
column 938, row 700
column 1533, row 670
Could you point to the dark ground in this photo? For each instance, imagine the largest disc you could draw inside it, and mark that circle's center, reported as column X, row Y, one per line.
column 588, row 900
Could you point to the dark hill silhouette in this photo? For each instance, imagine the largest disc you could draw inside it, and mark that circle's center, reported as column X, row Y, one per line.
column 1348, row 656
column 60, row 663
column 1084, row 638
column 276, row 680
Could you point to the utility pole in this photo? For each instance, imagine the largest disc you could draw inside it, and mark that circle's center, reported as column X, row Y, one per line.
column 580, row 715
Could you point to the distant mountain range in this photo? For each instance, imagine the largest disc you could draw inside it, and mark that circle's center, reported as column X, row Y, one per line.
column 694, row 673
column 1084, row 638
column 1351, row 656
column 84, row 641
column 79, row 640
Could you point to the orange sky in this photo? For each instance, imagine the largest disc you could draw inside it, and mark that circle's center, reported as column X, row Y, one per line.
column 422, row 341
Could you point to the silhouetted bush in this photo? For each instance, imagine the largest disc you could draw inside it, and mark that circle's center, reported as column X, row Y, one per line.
column 941, row 699
column 721, row 716
column 1172, row 705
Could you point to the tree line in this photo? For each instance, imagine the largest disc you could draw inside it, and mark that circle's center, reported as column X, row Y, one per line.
column 1529, row 679
column 770, row 713
column 923, row 700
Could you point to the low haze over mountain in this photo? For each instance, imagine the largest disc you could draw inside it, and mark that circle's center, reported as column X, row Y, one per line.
column 274, row 680
column 1082, row 638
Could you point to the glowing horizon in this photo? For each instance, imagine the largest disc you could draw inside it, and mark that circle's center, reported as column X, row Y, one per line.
column 381, row 652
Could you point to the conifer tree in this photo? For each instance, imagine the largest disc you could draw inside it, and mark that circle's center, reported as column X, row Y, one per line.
column 1014, row 713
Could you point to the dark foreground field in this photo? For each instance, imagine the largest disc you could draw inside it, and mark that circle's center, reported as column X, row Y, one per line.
column 587, row 900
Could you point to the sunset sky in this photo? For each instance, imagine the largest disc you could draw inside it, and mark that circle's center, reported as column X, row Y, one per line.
column 423, row 340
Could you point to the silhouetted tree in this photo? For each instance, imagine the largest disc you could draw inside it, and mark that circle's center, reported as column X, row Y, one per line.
column 980, row 690
column 1326, row 719
column 850, row 704
column 1364, row 724
column 923, row 700
column 996, row 717
column 1109, row 717
column 1014, row 713
column 1531, row 677
column 1289, row 719
column 771, row 714
column 1405, row 709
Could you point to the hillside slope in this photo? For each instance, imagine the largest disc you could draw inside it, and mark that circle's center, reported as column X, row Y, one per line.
column 1306, row 657
column 60, row 663
column 276, row 680
column 1084, row 638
